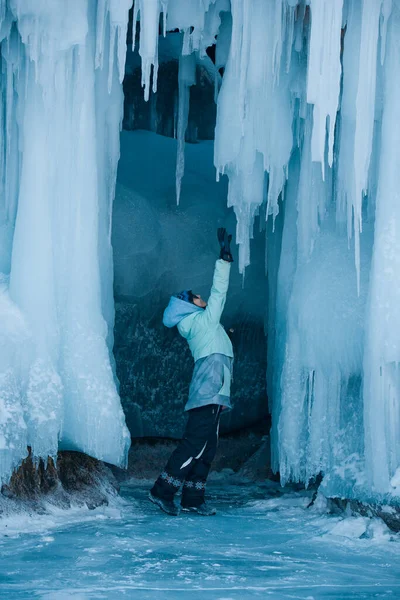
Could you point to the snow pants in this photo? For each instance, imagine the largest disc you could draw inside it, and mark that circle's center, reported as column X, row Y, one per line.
column 190, row 462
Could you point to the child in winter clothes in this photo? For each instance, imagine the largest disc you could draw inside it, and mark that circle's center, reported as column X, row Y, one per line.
column 199, row 323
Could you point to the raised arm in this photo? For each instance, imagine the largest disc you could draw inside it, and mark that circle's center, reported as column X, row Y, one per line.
column 217, row 299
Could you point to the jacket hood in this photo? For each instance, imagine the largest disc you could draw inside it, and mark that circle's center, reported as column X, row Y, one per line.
column 177, row 310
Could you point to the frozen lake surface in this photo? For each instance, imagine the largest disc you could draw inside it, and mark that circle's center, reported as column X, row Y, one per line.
column 260, row 545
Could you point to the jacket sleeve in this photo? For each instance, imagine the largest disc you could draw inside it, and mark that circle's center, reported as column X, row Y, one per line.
column 216, row 302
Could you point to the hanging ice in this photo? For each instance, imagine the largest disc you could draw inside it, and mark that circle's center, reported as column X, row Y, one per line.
column 334, row 359
column 382, row 354
column 323, row 77
column 187, row 78
column 254, row 123
column 57, row 384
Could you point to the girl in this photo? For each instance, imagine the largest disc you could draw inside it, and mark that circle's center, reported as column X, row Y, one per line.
column 199, row 323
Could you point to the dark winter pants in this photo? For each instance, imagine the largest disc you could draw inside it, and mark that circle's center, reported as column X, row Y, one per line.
column 190, row 462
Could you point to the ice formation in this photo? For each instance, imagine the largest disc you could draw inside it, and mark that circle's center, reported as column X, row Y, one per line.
column 61, row 101
column 307, row 132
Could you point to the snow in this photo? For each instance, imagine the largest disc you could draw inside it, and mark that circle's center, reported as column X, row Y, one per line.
column 260, row 544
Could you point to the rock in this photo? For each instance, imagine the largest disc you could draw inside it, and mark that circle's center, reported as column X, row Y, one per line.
column 390, row 514
column 76, row 479
column 258, row 466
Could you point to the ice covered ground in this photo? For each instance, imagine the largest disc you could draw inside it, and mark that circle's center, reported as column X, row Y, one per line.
column 261, row 544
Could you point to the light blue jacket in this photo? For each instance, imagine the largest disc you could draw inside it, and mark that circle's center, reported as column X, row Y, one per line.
column 201, row 327
column 206, row 338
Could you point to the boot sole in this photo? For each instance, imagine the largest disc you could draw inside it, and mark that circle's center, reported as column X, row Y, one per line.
column 158, row 503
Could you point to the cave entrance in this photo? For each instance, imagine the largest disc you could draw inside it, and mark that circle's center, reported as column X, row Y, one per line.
column 161, row 248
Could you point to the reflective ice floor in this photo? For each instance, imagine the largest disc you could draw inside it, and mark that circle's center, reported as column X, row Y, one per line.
column 260, row 545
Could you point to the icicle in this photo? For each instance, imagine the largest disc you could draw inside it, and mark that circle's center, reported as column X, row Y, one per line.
column 253, row 132
column 365, row 112
column 100, row 32
column 223, row 42
column 11, row 167
column 118, row 11
column 119, row 16
column 299, row 24
column 324, row 70
column 187, row 78
column 213, row 20
column 3, row 9
column 149, row 25
column 290, row 17
column 279, row 32
column 111, row 58
column 164, row 4
column 386, row 12
column 345, row 185
column 311, row 198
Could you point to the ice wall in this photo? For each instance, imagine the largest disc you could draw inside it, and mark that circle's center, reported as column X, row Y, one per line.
column 61, row 104
column 307, row 133
column 382, row 350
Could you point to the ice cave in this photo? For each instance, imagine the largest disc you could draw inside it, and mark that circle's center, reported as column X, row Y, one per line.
column 130, row 131
column 304, row 152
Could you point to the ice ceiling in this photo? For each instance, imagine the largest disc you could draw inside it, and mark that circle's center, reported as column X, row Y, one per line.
column 308, row 133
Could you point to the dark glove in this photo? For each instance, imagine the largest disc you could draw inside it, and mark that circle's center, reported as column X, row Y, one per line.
column 225, row 242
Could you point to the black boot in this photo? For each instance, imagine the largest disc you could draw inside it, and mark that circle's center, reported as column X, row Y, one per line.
column 168, row 506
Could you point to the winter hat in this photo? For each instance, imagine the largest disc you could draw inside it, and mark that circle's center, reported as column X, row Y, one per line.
column 186, row 295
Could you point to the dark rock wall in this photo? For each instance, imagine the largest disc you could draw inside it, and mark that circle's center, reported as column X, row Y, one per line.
column 154, row 366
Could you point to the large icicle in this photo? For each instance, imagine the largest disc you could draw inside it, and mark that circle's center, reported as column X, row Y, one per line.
column 345, row 187
column 318, row 332
column 324, row 70
column 253, row 133
column 322, row 381
column 187, row 78
column 149, row 13
column 382, row 355
column 365, row 112
column 56, row 319
column 198, row 19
